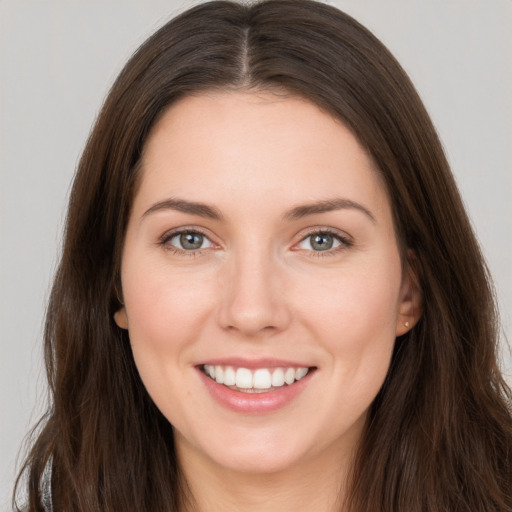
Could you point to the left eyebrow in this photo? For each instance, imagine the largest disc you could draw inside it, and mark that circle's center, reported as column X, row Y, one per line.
column 298, row 212
column 181, row 205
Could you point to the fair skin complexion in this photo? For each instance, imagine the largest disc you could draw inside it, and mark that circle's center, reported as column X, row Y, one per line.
column 262, row 235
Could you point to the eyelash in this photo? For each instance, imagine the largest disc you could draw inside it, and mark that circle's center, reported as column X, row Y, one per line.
column 344, row 242
column 169, row 235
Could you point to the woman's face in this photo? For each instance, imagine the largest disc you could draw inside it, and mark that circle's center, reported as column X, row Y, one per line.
column 262, row 282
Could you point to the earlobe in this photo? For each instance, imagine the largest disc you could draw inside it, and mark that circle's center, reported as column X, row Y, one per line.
column 120, row 318
column 410, row 305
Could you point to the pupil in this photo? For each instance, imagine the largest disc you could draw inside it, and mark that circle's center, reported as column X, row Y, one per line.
column 191, row 241
column 322, row 242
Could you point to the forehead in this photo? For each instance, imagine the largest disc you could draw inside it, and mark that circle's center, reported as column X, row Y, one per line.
column 236, row 145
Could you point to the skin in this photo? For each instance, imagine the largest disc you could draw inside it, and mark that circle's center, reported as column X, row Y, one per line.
column 258, row 288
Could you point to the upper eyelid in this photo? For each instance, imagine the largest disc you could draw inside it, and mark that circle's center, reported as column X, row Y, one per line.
column 164, row 241
column 343, row 236
column 344, row 239
column 170, row 233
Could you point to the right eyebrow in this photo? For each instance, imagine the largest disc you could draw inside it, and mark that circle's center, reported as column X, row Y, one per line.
column 327, row 206
column 181, row 205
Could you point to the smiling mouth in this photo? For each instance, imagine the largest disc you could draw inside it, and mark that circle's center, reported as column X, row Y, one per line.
column 261, row 380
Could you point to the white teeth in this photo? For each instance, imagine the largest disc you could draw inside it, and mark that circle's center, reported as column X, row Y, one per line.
column 229, row 376
column 300, row 373
column 260, row 379
column 278, row 378
column 243, row 378
column 289, row 376
column 219, row 374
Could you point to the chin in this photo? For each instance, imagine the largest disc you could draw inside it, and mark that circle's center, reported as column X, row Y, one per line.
column 260, row 452
column 260, row 463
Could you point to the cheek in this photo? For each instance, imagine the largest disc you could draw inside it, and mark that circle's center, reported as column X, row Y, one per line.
column 164, row 305
column 354, row 317
column 355, row 301
column 166, row 311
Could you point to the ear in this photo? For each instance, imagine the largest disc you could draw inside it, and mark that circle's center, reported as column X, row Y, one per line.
column 410, row 305
column 120, row 318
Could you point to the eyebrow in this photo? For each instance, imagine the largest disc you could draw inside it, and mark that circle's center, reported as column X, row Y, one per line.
column 181, row 205
column 327, row 206
column 298, row 212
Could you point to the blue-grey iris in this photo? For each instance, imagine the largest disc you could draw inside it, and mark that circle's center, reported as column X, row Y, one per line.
column 191, row 241
column 322, row 242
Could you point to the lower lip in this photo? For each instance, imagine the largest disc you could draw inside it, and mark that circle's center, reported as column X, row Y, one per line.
column 254, row 403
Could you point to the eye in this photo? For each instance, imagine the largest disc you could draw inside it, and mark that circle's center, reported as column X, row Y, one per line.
column 321, row 241
column 189, row 241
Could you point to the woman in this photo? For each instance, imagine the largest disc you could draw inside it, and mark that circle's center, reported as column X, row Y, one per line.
column 262, row 301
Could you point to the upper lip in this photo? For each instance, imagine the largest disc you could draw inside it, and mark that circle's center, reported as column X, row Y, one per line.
column 265, row 362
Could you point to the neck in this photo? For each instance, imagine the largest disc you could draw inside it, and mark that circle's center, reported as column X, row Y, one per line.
column 317, row 484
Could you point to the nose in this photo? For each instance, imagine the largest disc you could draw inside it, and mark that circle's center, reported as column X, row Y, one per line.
column 253, row 299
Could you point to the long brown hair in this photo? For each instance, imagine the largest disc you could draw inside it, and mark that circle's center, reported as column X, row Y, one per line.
column 439, row 433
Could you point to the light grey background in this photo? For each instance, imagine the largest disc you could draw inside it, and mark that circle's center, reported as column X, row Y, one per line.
column 57, row 60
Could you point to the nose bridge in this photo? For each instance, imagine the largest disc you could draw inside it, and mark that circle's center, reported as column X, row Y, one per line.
column 253, row 299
